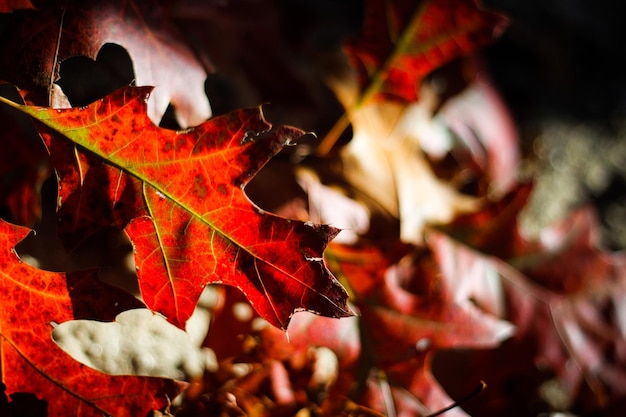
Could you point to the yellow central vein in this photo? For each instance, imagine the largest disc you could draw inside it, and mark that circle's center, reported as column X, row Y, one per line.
column 161, row 248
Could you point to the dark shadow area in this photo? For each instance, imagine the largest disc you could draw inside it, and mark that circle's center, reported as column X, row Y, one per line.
column 24, row 163
column 168, row 120
column 512, row 388
column 22, row 404
column 611, row 205
column 560, row 66
column 84, row 80
column 561, row 59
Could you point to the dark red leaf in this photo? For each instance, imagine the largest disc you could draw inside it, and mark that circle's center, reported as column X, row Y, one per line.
column 10, row 5
column 68, row 29
column 403, row 41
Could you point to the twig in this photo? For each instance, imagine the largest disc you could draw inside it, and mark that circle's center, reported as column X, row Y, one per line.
column 481, row 386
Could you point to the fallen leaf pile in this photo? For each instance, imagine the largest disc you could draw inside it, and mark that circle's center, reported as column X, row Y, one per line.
column 399, row 228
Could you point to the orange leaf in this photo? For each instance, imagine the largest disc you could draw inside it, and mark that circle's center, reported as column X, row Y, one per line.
column 181, row 196
column 33, row 301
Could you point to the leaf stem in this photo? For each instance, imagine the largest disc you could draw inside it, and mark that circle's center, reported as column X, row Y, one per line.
column 333, row 135
column 10, row 103
column 403, row 42
column 374, row 85
column 56, row 53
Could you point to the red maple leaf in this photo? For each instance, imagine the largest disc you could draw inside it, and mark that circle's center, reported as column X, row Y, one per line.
column 180, row 197
column 33, row 301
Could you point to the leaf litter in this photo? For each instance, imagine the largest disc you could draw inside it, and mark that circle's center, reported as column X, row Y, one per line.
column 428, row 266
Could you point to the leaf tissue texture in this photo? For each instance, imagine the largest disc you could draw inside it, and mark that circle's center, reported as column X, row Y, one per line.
column 32, row 301
column 181, row 196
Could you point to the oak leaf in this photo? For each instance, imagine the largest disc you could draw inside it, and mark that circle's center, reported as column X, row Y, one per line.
column 576, row 290
column 384, row 166
column 180, row 197
column 33, row 301
column 67, row 29
column 412, row 303
column 394, row 53
column 562, row 291
column 421, row 305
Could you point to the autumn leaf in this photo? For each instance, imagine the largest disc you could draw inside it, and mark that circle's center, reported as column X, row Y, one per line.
column 395, row 52
column 33, row 301
column 67, row 29
column 416, row 308
column 562, row 291
column 576, row 289
column 412, row 303
column 400, row 44
column 494, row 227
column 10, row 5
column 384, row 166
column 386, row 172
column 181, row 195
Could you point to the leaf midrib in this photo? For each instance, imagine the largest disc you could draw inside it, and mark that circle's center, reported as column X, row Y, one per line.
column 32, row 110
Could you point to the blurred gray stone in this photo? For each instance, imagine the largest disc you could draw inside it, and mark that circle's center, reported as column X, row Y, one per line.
column 140, row 342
